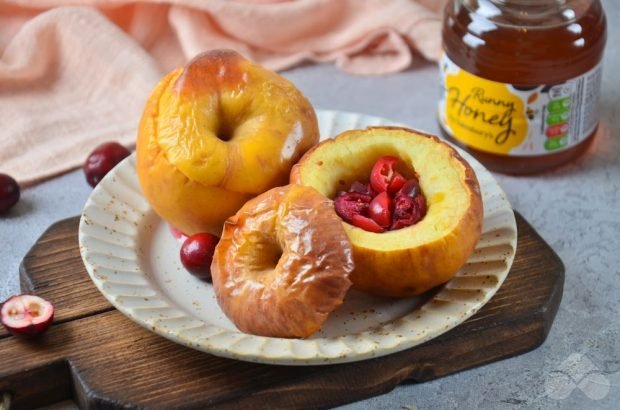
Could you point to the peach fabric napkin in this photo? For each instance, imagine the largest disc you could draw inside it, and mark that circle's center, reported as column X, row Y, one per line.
column 74, row 74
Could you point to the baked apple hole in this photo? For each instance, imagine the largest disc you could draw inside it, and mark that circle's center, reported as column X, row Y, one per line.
column 346, row 169
column 235, row 120
column 266, row 256
column 225, row 130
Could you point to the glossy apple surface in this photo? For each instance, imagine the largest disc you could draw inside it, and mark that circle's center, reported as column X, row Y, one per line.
column 282, row 264
column 216, row 133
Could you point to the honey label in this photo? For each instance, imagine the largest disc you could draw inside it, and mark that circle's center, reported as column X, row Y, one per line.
column 517, row 120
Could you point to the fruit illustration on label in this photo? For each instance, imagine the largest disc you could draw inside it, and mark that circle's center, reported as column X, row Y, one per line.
column 484, row 114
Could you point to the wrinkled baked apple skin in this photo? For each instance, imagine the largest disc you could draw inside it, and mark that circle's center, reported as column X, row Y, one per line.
column 283, row 263
column 412, row 260
column 214, row 134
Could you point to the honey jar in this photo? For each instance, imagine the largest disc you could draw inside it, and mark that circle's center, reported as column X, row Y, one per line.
column 520, row 80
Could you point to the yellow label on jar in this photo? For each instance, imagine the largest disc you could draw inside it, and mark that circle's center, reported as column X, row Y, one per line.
column 484, row 114
column 517, row 120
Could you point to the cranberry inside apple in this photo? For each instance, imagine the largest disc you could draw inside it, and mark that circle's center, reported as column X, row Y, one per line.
column 388, row 202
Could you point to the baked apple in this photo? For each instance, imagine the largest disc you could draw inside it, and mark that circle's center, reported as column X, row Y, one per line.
column 216, row 133
column 408, row 260
column 282, row 264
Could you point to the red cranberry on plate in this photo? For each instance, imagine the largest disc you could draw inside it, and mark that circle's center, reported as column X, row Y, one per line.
column 197, row 254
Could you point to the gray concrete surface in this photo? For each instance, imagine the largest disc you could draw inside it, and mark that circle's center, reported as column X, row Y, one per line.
column 576, row 209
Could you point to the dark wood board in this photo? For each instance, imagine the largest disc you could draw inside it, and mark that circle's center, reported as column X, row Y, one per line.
column 99, row 358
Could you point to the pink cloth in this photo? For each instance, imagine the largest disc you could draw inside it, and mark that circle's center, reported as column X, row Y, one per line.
column 73, row 77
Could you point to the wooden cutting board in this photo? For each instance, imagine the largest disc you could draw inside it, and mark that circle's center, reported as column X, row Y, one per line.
column 99, row 358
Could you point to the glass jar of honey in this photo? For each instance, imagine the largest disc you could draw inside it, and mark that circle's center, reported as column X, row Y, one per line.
column 520, row 80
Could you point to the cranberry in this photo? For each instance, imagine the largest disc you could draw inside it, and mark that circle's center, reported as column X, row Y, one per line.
column 382, row 173
column 397, row 183
column 411, row 189
column 388, row 201
column 365, row 189
column 350, row 204
column 380, row 209
column 366, row 224
column 26, row 315
column 420, row 204
column 9, row 192
column 408, row 211
column 197, row 254
column 102, row 160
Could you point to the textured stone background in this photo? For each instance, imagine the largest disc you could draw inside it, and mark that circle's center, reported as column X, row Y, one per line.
column 576, row 209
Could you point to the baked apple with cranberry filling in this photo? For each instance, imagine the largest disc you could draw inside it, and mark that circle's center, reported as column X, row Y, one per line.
column 410, row 205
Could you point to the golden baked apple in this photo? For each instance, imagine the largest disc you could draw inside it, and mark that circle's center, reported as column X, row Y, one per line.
column 406, row 260
column 214, row 134
column 283, row 263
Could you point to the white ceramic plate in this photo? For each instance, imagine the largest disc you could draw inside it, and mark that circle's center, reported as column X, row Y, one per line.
column 133, row 259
